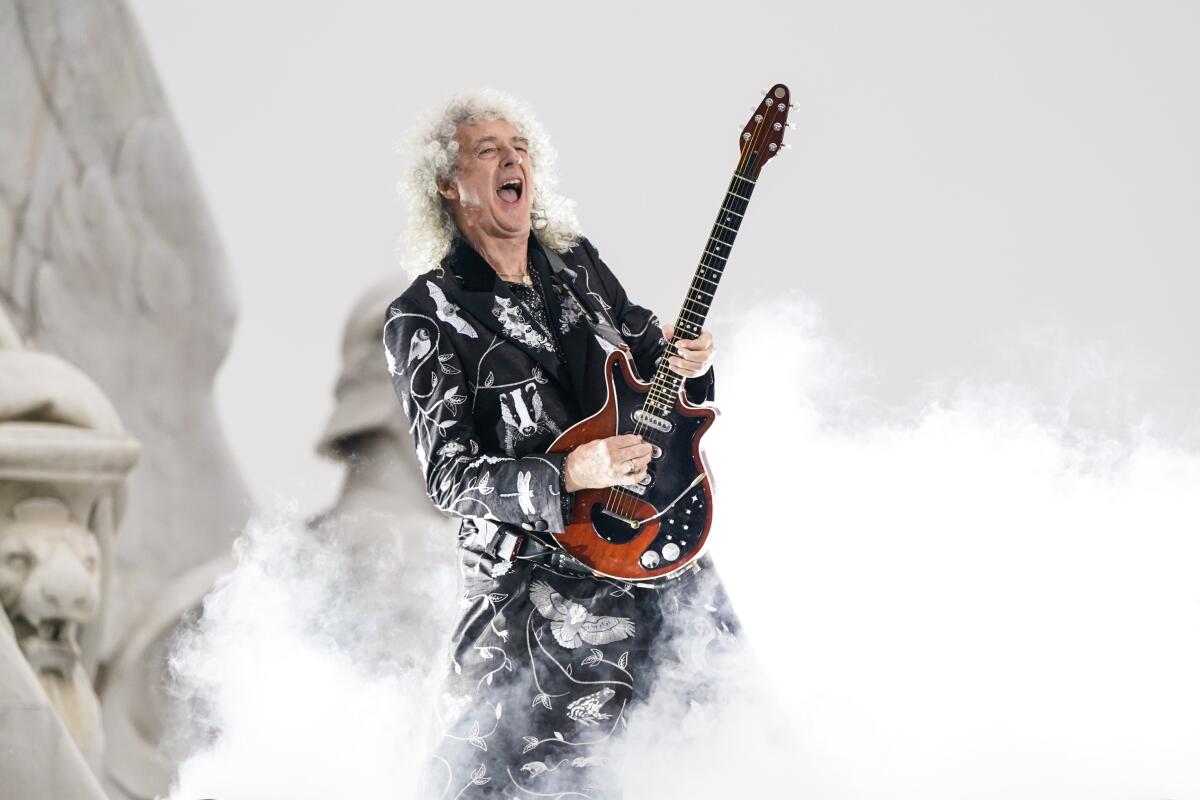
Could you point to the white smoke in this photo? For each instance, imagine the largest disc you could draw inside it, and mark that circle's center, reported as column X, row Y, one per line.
column 309, row 672
column 976, row 600
column 979, row 600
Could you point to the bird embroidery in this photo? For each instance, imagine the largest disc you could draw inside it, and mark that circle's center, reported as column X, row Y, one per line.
column 448, row 312
column 572, row 624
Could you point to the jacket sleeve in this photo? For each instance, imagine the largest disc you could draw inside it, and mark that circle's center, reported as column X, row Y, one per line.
column 460, row 478
column 642, row 331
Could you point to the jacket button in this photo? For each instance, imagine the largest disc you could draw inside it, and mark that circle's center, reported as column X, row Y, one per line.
column 526, row 526
column 539, row 525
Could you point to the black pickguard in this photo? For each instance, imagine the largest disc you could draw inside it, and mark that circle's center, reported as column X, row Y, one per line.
column 671, row 474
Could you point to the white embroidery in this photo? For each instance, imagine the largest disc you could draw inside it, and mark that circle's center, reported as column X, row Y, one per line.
column 448, row 312
column 572, row 624
column 516, row 327
column 571, row 312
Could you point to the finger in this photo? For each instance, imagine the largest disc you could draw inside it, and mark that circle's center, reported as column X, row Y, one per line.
column 684, row 368
column 631, row 470
column 636, row 451
column 624, row 440
column 633, row 477
column 668, row 331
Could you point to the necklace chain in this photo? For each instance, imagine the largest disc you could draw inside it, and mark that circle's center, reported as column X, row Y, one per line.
column 526, row 278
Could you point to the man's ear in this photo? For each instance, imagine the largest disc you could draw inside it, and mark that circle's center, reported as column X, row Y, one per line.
column 447, row 189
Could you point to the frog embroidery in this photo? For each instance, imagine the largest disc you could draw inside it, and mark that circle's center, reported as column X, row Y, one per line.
column 586, row 710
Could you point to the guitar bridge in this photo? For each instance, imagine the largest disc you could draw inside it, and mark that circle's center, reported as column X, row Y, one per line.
column 633, row 523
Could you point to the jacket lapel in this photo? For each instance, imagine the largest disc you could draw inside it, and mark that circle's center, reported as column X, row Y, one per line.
column 584, row 356
column 476, row 288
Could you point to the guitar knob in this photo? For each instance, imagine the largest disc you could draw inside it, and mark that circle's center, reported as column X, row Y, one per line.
column 656, row 452
column 650, row 559
column 645, row 481
column 670, row 551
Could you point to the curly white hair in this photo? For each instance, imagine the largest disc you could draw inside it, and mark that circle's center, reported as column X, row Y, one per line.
column 434, row 150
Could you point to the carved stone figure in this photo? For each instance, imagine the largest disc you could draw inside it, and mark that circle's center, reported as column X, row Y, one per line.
column 111, row 261
column 382, row 500
column 63, row 463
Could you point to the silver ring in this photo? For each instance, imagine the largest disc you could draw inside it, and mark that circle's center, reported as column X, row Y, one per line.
column 631, row 468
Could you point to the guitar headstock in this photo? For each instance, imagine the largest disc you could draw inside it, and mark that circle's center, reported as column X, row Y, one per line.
column 762, row 138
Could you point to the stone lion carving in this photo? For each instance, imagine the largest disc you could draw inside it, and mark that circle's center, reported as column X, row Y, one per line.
column 49, row 581
column 50, row 588
column 64, row 458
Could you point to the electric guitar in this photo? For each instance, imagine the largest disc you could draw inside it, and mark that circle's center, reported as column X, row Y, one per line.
column 651, row 530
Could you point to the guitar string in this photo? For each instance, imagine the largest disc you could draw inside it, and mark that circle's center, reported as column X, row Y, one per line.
column 626, row 504
column 618, row 500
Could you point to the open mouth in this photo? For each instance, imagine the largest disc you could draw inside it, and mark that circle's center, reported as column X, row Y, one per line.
column 511, row 190
column 50, row 646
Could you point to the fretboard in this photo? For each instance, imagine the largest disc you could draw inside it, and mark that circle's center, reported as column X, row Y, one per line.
column 704, row 285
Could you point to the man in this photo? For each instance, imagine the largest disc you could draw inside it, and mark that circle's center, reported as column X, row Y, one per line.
column 493, row 353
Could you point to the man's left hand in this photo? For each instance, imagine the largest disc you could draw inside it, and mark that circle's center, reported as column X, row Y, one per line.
column 695, row 355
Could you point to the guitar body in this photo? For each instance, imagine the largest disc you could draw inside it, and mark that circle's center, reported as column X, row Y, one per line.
column 650, row 531
column 647, row 532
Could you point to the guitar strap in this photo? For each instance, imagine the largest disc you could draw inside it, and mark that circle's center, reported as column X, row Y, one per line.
column 598, row 324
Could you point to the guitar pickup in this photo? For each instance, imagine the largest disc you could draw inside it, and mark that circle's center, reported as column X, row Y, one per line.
column 650, row 421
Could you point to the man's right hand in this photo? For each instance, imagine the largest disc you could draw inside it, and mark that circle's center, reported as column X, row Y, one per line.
column 607, row 462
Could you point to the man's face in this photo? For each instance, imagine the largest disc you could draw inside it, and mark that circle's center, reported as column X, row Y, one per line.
column 493, row 190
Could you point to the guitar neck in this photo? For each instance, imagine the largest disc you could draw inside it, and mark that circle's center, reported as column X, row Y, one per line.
column 699, row 297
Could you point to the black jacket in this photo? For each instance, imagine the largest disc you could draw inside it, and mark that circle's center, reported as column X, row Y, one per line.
column 485, row 392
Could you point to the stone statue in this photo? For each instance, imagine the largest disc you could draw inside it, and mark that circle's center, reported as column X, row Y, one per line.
column 64, row 459
column 111, row 261
column 382, row 500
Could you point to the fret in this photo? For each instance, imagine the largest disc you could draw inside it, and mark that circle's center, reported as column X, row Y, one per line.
column 666, row 384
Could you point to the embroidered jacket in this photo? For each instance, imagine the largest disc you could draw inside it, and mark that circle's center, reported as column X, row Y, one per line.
column 485, row 391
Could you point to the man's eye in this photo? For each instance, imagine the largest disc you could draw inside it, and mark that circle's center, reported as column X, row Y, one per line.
column 486, row 150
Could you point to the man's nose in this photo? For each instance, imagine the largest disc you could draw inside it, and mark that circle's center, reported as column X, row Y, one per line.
column 510, row 156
